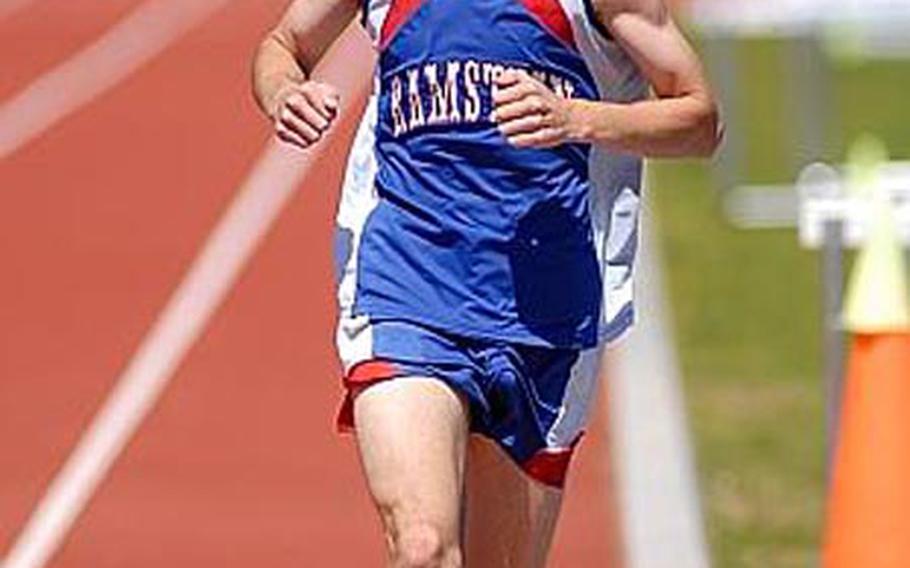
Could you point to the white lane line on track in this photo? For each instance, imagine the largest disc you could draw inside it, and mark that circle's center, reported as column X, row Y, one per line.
column 227, row 250
column 657, row 490
column 133, row 41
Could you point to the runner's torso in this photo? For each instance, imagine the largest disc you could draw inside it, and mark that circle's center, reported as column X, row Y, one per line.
column 446, row 224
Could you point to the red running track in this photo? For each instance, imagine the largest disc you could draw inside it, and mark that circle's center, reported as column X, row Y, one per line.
column 239, row 464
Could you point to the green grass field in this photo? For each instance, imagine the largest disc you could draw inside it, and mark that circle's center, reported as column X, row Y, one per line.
column 747, row 316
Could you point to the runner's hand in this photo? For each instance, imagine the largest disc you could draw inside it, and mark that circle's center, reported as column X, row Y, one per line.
column 304, row 111
column 528, row 113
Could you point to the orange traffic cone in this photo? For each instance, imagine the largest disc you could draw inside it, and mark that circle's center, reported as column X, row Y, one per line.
column 868, row 516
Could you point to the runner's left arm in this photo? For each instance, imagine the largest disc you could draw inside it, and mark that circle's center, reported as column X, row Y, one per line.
column 682, row 120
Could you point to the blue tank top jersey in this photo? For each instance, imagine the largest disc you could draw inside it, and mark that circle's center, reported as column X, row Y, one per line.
column 443, row 223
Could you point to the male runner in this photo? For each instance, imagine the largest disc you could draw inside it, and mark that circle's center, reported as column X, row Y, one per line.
column 486, row 235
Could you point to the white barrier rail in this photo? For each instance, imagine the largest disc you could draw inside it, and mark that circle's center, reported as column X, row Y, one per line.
column 819, row 197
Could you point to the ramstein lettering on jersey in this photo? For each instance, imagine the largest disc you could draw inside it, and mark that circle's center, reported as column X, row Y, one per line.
column 449, row 92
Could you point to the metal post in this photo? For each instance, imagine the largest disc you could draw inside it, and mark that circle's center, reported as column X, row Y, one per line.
column 720, row 57
column 808, row 93
column 832, row 274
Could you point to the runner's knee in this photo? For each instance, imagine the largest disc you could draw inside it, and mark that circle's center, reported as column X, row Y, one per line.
column 424, row 545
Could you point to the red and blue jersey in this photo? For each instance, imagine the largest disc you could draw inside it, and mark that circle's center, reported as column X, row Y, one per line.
column 443, row 223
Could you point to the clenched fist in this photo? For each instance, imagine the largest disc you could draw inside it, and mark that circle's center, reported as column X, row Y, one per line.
column 304, row 111
column 529, row 114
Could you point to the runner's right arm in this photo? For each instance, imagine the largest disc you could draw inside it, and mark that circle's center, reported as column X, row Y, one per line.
column 301, row 109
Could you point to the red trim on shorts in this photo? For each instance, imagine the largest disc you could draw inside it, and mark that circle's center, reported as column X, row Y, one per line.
column 550, row 466
column 398, row 14
column 359, row 377
column 369, row 371
column 552, row 16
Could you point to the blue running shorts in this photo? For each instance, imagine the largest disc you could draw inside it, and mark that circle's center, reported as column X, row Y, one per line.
column 532, row 401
